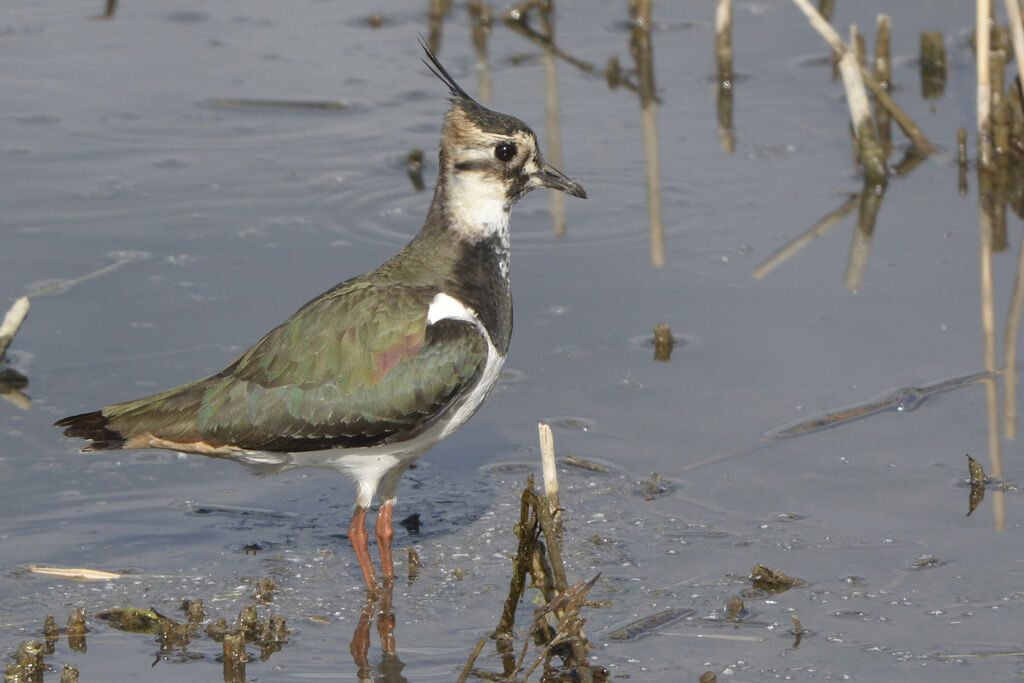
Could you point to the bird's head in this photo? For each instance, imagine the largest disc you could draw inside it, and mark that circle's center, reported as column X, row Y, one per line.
column 488, row 157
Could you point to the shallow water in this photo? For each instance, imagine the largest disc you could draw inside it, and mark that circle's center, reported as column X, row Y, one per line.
column 226, row 219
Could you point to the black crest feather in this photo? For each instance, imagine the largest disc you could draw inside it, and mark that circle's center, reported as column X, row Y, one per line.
column 481, row 116
column 438, row 70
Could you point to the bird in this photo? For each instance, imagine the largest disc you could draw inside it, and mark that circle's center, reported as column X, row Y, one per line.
column 369, row 375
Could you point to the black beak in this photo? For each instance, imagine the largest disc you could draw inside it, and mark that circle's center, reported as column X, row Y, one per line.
column 550, row 176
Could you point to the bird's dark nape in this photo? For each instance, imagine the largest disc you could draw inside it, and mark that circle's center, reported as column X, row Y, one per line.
column 93, row 427
column 435, row 68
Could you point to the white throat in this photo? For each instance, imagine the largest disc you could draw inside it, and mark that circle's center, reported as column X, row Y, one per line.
column 478, row 205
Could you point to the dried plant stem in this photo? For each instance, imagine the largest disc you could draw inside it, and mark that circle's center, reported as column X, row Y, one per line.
column 883, row 62
column 882, row 71
column 868, row 150
column 547, row 459
column 472, row 659
column 1016, row 32
column 12, row 321
column 984, row 95
column 723, row 40
column 907, row 124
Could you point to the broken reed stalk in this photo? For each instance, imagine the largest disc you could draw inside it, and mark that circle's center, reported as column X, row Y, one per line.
column 1000, row 110
column 1016, row 33
column 723, row 57
column 723, row 41
column 547, row 460
column 551, row 527
column 984, row 95
column 234, row 657
column 906, row 124
column 472, row 660
column 883, row 61
column 882, row 71
column 961, row 150
column 12, row 321
column 869, row 152
column 859, row 48
column 528, row 535
column 535, row 518
column 933, row 64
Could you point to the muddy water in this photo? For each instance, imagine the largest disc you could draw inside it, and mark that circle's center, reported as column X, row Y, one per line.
column 224, row 219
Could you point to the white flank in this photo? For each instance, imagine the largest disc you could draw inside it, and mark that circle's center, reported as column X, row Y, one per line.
column 377, row 469
column 446, row 307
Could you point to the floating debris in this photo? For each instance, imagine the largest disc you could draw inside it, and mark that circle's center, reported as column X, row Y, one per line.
column 708, row 677
column 195, row 610
column 248, row 622
column 264, row 590
column 902, row 401
column 645, row 626
column 28, row 663
column 69, row 674
column 120, row 259
column 217, row 629
column 75, row 573
column 768, row 579
column 231, row 102
column 652, row 486
column 584, row 464
column 243, row 511
column 134, row 620
column 735, row 610
column 926, row 562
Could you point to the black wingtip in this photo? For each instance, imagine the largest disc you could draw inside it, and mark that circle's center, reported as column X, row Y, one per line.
column 438, row 70
column 91, row 427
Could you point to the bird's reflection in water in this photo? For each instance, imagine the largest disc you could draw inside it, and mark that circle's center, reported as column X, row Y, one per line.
column 390, row 669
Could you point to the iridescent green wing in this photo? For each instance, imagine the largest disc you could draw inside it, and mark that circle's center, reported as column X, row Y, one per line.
column 356, row 367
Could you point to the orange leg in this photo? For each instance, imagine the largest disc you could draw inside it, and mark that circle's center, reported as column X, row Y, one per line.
column 384, row 535
column 360, row 645
column 386, row 620
column 358, row 537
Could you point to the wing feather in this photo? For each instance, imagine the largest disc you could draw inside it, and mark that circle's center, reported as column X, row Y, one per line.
column 358, row 366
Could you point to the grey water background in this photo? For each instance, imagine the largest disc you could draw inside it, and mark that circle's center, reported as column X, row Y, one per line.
column 227, row 219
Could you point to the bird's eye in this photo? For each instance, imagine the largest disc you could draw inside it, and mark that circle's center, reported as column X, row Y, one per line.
column 505, row 151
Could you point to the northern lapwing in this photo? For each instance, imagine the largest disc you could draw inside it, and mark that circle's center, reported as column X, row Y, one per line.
column 369, row 375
